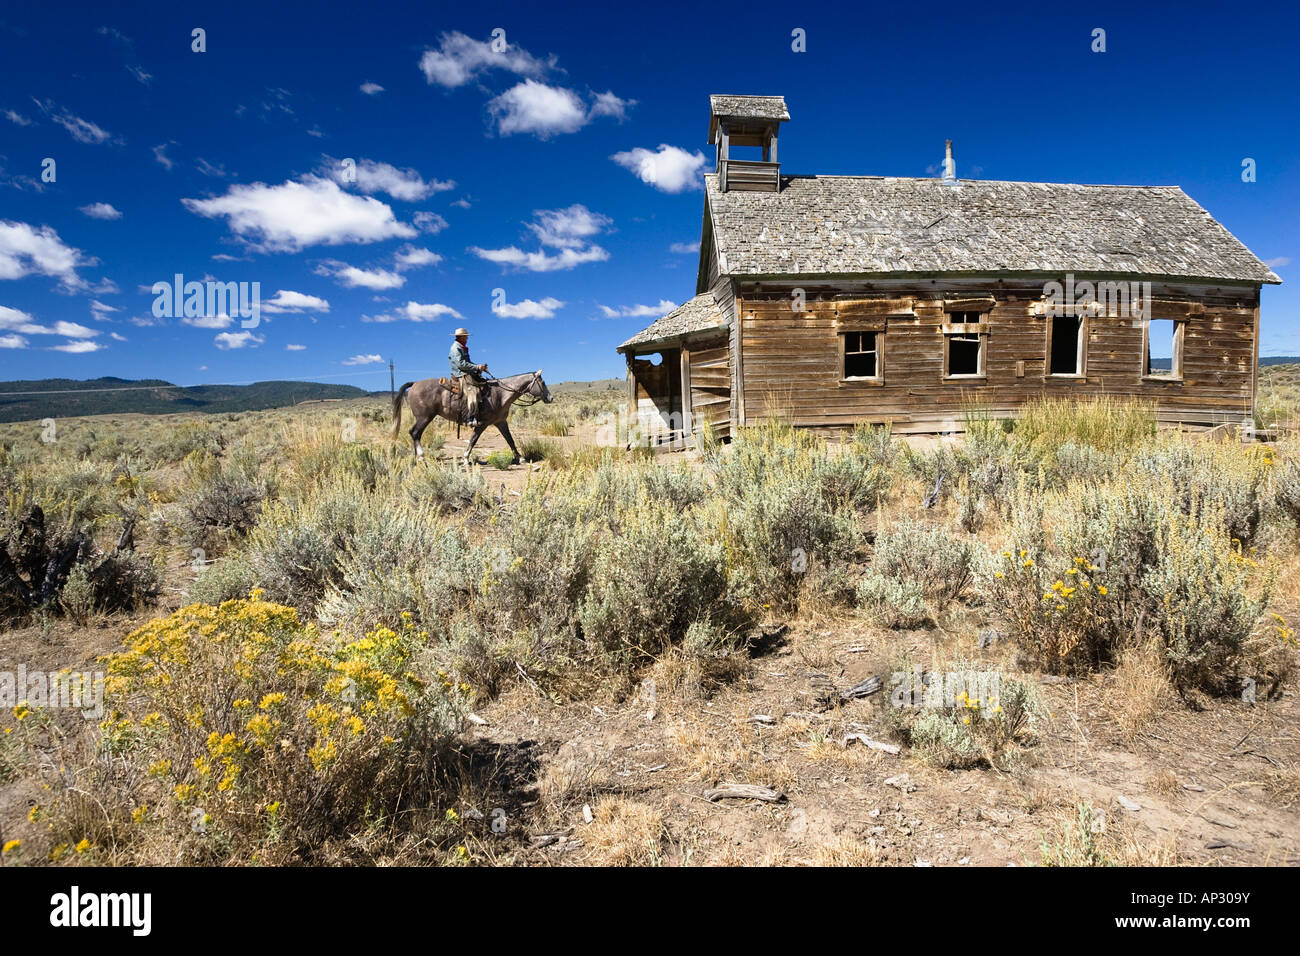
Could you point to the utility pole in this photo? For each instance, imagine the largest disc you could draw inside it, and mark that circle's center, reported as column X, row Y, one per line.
column 392, row 387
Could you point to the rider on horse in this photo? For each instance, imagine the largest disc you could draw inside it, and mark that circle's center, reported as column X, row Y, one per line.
column 470, row 375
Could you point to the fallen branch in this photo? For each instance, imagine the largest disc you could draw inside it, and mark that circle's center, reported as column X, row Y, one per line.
column 742, row 791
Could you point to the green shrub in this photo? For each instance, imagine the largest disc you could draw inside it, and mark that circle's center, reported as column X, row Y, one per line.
column 936, row 562
column 967, row 731
column 1125, row 564
column 77, row 596
column 501, row 459
column 649, row 583
column 788, row 504
column 538, row 449
column 891, row 602
column 225, row 506
column 224, row 580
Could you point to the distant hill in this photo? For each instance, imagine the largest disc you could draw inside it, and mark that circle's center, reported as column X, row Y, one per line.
column 65, row 398
column 1279, row 360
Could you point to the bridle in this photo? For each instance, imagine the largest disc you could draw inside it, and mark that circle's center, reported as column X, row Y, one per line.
column 519, row 402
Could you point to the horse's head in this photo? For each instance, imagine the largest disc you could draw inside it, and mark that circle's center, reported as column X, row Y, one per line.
column 538, row 389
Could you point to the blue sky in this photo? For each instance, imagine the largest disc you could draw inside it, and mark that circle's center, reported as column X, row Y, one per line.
column 517, row 168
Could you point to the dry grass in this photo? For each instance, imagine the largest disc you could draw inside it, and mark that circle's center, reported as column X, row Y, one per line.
column 624, row 833
column 848, row 851
column 1137, row 690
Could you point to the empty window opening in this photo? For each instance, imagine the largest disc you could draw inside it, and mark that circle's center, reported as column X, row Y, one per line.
column 1161, row 334
column 861, row 355
column 965, row 349
column 1067, row 351
column 963, row 355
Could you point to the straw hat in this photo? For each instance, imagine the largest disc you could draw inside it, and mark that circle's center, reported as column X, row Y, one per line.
column 460, row 332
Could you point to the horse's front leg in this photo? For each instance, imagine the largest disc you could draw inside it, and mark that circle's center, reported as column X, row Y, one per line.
column 504, row 429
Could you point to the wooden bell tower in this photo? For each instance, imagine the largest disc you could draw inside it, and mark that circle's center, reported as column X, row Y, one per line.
column 747, row 121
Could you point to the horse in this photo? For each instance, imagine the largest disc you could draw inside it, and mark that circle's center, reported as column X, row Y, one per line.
column 429, row 398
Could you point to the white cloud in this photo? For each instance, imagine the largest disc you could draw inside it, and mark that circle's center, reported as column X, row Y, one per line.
column 685, row 248
column 26, row 250
column 532, row 107
column 607, row 104
column 528, row 309
column 431, row 222
column 570, row 230
column 415, row 312
column 363, row 360
column 375, row 177
column 288, row 301
column 1278, row 263
column 160, row 154
column 353, row 278
column 370, row 89
column 639, row 311
column 82, row 130
column 411, row 257
column 237, row 340
column 460, row 58
column 461, row 203
column 293, row 215
column 16, row 117
column 670, row 170
column 208, row 322
column 540, row 261
column 12, row 342
column 77, row 346
column 116, row 337
column 100, row 310
column 217, row 171
column 15, row 320
column 294, row 348
column 73, row 331
column 101, row 210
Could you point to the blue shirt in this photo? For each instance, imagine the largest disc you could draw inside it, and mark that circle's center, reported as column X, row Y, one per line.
column 458, row 357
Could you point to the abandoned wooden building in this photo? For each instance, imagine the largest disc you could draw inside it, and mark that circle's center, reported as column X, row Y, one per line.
column 833, row 300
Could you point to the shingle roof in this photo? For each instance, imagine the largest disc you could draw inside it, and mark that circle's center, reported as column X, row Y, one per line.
column 751, row 107
column 695, row 315
column 880, row 225
column 745, row 107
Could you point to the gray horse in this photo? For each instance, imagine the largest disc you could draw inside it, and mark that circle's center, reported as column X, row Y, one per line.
column 429, row 398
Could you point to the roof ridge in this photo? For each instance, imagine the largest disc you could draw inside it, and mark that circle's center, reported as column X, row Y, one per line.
column 996, row 182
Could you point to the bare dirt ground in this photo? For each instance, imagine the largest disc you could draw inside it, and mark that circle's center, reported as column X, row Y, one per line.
column 1214, row 787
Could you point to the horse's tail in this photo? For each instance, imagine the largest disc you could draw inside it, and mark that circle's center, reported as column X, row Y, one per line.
column 397, row 408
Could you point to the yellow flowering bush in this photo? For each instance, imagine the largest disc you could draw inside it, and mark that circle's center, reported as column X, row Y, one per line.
column 234, row 709
column 1127, row 562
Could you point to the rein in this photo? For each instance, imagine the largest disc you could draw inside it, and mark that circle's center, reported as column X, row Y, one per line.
column 519, row 402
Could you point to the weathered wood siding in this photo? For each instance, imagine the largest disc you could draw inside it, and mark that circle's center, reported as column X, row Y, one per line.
column 792, row 362
column 709, row 381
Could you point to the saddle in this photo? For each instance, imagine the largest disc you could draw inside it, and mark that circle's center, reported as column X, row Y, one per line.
column 450, row 384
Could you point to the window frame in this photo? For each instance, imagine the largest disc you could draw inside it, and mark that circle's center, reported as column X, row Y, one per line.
column 1081, row 352
column 966, row 330
column 1177, row 360
column 876, row 328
